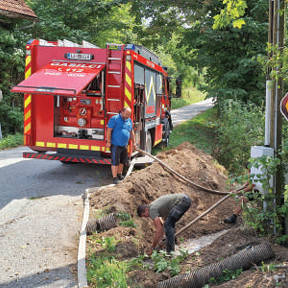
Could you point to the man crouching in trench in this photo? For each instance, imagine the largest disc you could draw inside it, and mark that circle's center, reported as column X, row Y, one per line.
column 171, row 208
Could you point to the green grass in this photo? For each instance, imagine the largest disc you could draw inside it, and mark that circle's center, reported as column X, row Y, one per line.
column 189, row 96
column 11, row 141
column 104, row 272
column 199, row 131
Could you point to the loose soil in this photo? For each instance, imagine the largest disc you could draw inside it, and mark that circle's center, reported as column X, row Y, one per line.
column 144, row 186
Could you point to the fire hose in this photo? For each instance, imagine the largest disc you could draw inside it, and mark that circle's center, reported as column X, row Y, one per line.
column 187, row 180
column 228, row 194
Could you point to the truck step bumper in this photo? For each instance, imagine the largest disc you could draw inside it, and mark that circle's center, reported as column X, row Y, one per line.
column 68, row 158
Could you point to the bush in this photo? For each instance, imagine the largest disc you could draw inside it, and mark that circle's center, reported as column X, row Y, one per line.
column 239, row 127
column 11, row 141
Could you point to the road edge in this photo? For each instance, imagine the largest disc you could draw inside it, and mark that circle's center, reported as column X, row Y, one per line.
column 81, row 261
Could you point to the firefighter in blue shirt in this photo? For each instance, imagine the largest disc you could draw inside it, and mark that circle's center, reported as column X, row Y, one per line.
column 119, row 132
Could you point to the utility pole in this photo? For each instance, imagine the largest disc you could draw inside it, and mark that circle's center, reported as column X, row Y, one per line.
column 274, row 87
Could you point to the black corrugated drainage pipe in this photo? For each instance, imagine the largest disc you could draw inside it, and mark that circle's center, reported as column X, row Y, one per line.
column 199, row 277
column 103, row 224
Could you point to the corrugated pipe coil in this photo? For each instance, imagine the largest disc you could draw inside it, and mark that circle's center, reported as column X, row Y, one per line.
column 103, row 224
column 199, row 277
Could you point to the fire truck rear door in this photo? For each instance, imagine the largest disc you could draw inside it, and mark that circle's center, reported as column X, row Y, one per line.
column 60, row 78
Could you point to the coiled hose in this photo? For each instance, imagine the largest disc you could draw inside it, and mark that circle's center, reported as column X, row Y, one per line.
column 199, row 277
column 103, row 224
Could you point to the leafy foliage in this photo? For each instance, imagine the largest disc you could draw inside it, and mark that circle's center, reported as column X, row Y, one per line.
column 233, row 10
column 226, row 276
column 12, row 68
column 106, row 272
column 239, row 127
column 181, row 33
column 264, row 220
column 163, row 262
column 11, row 141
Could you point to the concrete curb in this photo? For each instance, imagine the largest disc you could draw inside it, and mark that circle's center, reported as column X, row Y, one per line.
column 81, row 261
column 81, row 267
column 81, row 264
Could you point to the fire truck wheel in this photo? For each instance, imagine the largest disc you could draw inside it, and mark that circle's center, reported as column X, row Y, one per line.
column 148, row 145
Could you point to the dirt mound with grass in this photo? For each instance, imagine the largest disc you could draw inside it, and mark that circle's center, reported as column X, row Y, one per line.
column 144, row 186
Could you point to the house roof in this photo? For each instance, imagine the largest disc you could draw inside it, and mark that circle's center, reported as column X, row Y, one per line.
column 16, row 9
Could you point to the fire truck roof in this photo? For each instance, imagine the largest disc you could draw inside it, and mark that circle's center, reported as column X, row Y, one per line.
column 141, row 50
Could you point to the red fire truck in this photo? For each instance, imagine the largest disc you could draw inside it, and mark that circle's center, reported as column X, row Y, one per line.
column 71, row 91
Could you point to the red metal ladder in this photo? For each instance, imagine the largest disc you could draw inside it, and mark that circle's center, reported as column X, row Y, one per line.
column 114, row 79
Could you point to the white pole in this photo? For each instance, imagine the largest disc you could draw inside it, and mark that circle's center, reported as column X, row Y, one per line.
column 268, row 113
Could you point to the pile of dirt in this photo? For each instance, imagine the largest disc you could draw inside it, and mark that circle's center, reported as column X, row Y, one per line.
column 144, row 186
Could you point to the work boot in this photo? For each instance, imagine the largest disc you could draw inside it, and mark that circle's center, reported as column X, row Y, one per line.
column 116, row 180
column 120, row 176
column 231, row 220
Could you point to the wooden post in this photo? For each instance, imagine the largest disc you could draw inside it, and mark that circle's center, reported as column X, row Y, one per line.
column 276, row 38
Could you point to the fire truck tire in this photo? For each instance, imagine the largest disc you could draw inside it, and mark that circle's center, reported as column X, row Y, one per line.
column 148, row 145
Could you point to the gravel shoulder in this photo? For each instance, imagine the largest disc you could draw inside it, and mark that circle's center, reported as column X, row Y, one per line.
column 40, row 218
column 44, row 236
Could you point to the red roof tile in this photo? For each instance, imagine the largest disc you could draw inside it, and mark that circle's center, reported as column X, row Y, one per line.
column 16, row 8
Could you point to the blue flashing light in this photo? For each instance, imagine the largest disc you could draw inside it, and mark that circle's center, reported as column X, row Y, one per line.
column 130, row 47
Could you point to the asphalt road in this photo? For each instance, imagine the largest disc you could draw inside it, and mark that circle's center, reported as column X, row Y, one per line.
column 40, row 214
column 40, row 218
column 188, row 112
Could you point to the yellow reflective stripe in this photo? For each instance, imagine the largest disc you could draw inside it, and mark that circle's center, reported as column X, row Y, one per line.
column 40, row 144
column 102, row 122
column 27, row 101
column 61, row 145
column 84, row 147
column 52, row 145
column 128, row 65
column 127, row 94
column 28, row 60
column 158, row 141
column 128, row 79
column 72, row 146
column 27, row 128
column 28, row 73
column 103, row 148
column 95, row 148
column 126, row 104
column 27, row 115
